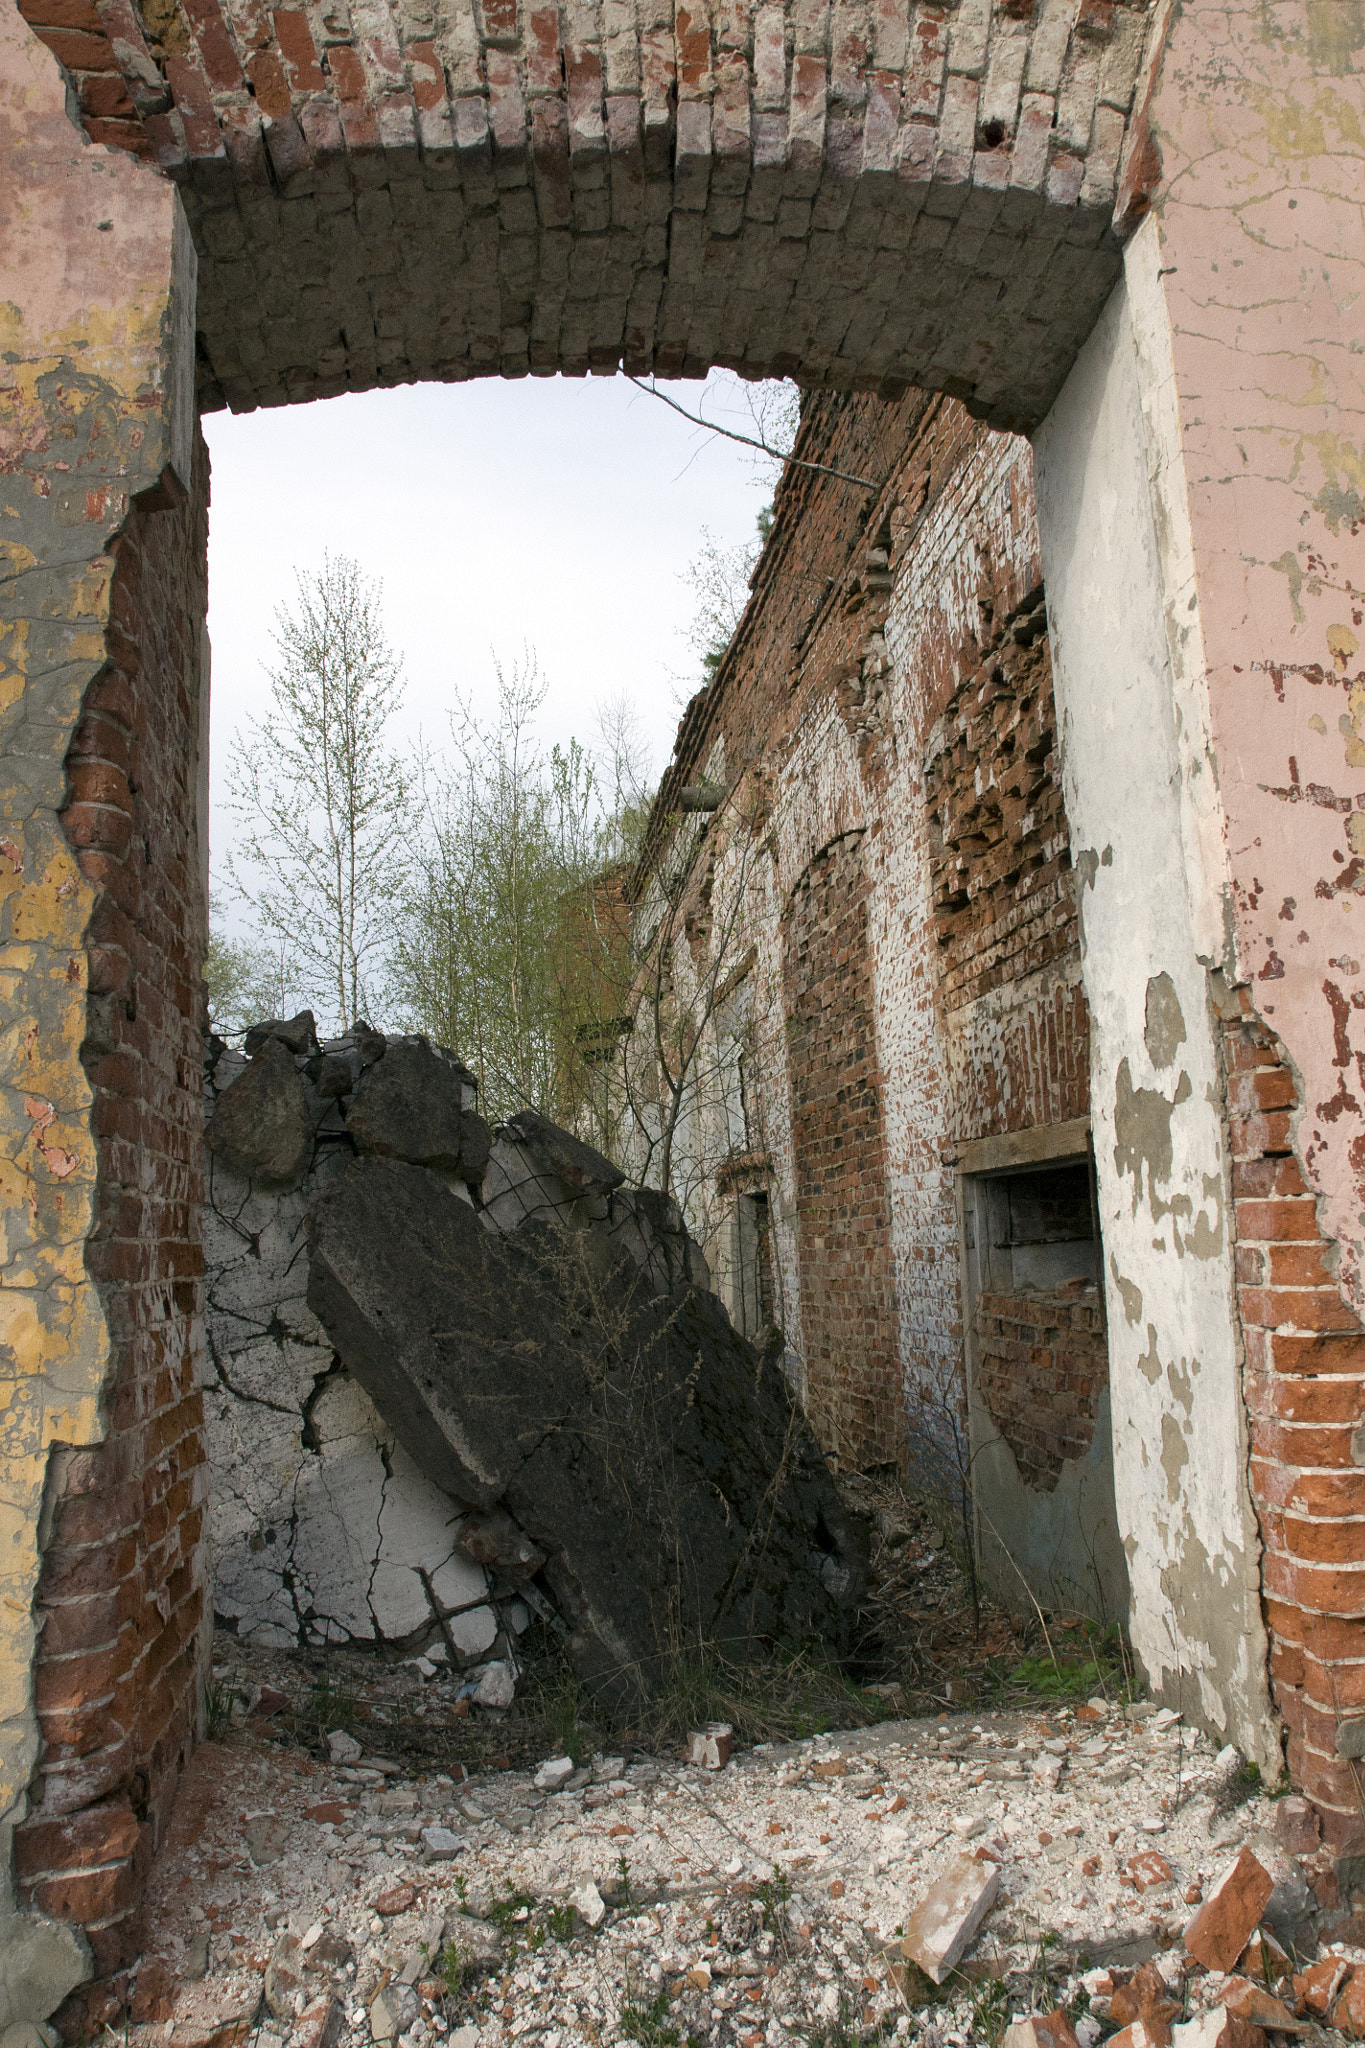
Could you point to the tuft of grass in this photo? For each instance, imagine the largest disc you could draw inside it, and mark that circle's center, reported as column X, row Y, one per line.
column 990, row 2010
column 781, row 1697
column 218, row 1700
column 774, row 1896
column 503, row 1910
column 644, row 2024
column 846, row 2030
column 562, row 1921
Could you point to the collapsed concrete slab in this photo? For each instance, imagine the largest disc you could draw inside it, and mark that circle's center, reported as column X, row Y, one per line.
column 649, row 1450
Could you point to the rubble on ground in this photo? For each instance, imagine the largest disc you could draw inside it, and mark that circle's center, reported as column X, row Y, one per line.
column 458, row 1377
column 319, row 1905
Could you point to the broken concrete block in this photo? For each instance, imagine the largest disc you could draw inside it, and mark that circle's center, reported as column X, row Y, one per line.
column 562, row 1388
column 1042, row 2030
column 343, row 1748
column 588, row 1903
column 474, row 1632
column 496, row 1688
column 560, row 1153
column 943, row 1925
column 260, row 1126
column 1217, row 2029
column 1223, row 1925
column 410, row 1105
column 41, row 1961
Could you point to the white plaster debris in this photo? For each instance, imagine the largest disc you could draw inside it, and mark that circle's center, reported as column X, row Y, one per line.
column 764, row 1898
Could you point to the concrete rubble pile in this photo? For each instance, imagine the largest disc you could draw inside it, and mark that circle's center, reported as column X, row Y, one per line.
column 1060, row 1878
column 458, row 1376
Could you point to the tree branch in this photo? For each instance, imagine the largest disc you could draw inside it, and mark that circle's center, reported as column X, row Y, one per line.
column 748, row 441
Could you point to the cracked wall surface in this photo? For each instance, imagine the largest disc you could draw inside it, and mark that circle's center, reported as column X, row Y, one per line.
column 322, row 1528
column 97, row 420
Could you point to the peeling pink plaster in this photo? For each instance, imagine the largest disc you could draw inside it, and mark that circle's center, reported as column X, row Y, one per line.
column 1259, row 114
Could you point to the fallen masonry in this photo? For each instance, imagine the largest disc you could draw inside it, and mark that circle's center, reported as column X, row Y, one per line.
column 770, row 1900
column 460, row 1376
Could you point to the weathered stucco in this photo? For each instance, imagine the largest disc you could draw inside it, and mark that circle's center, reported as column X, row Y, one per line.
column 97, row 396
column 1260, row 118
column 1140, row 804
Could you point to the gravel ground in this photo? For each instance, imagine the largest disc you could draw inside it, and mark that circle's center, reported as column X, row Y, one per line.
column 754, row 1904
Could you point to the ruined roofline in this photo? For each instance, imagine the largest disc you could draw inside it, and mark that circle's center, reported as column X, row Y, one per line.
column 821, row 415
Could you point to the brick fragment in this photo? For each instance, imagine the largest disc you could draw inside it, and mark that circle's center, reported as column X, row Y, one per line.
column 1223, row 1925
column 944, row 1924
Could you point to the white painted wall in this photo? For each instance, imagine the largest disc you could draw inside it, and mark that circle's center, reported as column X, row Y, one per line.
column 1147, row 845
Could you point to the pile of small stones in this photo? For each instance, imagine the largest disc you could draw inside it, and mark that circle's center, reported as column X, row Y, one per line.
column 305, row 1903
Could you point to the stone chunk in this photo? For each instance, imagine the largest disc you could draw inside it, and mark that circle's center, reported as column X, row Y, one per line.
column 1042, row 2030
column 259, row 1127
column 214, row 2015
column 497, row 1687
column 943, row 1925
column 1148, row 1869
column 410, row 1105
column 400, row 1898
column 41, row 1961
column 267, row 1838
column 284, row 1976
column 441, row 1845
column 298, row 1035
column 1223, row 1925
column 392, row 2012
column 1319, row 1984
column 319, row 2024
column 588, row 1903
column 553, row 1773
column 343, row 1748
column 1348, row 2013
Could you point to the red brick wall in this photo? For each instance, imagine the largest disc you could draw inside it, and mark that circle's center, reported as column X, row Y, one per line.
column 1305, row 1381
column 848, row 1295
column 1042, row 1363
column 121, row 1598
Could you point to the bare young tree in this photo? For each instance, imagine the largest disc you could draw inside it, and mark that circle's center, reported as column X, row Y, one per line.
column 487, row 960
column 321, row 795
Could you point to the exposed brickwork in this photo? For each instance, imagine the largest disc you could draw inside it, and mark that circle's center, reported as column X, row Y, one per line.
column 1042, row 1363
column 121, row 1597
column 847, row 1277
column 1004, row 904
column 865, row 200
column 1305, row 1385
column 890, row 681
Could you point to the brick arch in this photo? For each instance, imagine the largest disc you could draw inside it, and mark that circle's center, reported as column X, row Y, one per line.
column 863, row 194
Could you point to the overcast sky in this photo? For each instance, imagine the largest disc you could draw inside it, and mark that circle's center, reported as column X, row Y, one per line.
column 559, row 514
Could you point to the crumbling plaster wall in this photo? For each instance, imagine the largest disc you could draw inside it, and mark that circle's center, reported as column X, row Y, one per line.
column 1151, row 938
column 98, row 395
column 1200, row 489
